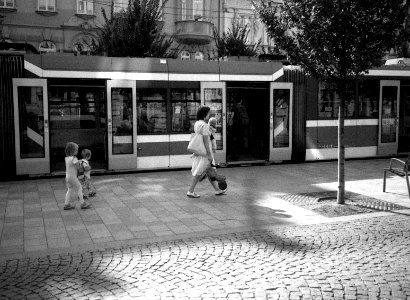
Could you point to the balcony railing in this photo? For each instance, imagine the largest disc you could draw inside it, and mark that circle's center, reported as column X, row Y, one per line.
column 194, row 32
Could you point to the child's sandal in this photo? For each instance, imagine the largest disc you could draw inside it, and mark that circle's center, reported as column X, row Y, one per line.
column 68, row 207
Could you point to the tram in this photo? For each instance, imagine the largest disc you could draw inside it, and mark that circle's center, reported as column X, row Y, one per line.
column 138, row 113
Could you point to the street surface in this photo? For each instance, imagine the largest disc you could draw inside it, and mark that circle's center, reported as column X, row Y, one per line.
column 362, row 259
column 143, row 238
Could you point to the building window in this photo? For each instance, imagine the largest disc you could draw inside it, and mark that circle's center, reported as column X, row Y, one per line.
column 329, row 102
column 246, row 22
column 85, row 7
column 47, row 5
column 192, row 9
column 199, row 55
column 151, row 111
column 120, row 6
column 47, row 47
column 183, row 10
column 369, row 99
column 7, row 3
column 84, row 45
column 197, row 9
column 185, row 104
column 185, row 55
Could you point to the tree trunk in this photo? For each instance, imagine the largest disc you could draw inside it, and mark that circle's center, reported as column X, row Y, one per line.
column 341, row 151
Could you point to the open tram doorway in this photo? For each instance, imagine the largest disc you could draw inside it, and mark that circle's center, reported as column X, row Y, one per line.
column 78, row 113
column 247, row 121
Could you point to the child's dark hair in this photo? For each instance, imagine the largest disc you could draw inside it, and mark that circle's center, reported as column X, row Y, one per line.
column 70, row 149
column 202, row 112
column 86, row 153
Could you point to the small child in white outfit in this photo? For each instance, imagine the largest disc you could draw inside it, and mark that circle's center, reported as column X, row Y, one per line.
column 85, row 175
column 72, row 183
column 212, row 128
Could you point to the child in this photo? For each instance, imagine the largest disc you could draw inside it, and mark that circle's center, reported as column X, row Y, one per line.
column 85, row 174
column 212, row 127
column 73, row 185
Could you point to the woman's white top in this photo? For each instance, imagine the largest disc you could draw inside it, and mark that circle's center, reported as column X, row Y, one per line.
column 200, row 163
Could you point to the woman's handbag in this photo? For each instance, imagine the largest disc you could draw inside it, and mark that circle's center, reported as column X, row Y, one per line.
column 196, row 145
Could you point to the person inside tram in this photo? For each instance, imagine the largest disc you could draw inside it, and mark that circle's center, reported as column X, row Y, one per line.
column 238, row 127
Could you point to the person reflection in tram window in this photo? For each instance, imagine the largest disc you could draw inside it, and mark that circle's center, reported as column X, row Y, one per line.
column 125, row 128
column 143, row 121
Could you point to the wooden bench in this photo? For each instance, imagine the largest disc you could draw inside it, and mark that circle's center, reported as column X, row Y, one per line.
column 400, row 168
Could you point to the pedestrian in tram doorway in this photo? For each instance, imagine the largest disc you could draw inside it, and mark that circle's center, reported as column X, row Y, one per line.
column 72, row 165
column 200, row 163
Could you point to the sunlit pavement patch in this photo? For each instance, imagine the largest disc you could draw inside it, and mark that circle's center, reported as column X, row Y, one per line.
column 325, row 203
column 361, row 259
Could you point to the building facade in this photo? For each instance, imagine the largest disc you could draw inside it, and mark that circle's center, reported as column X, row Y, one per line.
column 71, row 26
column 68, row 26
column 243, row 12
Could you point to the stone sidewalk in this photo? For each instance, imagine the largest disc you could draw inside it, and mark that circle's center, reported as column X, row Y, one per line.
column 153, row 207
column 359, row 260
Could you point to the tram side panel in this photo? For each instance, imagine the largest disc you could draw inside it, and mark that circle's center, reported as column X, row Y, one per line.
column 361, row 135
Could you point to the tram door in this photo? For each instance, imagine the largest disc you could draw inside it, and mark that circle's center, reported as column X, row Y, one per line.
column 213, row 94
column 247, row 107
column 31, row 126
column 281, row 103
column 389, row 117
column 404, row 120
column 122, row 132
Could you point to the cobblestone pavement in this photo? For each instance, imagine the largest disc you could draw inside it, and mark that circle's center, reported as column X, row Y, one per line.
column 147, row 207
column 360, row 259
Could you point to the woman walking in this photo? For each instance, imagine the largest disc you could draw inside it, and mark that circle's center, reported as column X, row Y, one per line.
column 200, row 163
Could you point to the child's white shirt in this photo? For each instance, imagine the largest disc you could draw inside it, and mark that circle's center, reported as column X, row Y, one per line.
column 71, row 167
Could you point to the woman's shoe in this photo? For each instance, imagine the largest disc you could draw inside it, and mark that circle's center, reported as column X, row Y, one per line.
column 192, row 195
column 220, row 192
column 68, row 206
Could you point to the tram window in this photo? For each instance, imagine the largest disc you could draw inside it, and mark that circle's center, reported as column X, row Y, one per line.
column 152, row 111
column 368, row 99
column 76, row 108
column 31, row 121
column 121, row 111
column 185, row 104
column 329, row 102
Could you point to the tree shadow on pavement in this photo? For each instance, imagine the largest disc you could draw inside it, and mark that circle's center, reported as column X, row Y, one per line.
column 59, row 276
